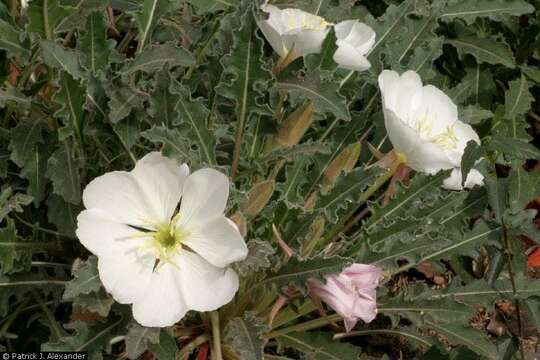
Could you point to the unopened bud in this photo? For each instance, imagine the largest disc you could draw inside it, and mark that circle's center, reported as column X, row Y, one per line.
column 345, row 161
column 257, row 198
column 295, row 126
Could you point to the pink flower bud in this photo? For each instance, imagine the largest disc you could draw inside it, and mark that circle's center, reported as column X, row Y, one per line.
column 352, row 293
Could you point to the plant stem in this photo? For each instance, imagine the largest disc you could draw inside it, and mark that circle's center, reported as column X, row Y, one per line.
column 188, row 349
column 216, row 336
column 514, row 289
column 309, row 325
column 379, row 182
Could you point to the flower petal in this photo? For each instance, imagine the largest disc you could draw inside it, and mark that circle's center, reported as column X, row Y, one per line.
column 204, row 197
column 121, row 196
column 218, row 241
column 278, row 43
column 162, row 180
column 347, row 57
column 398, row 91
column 363, row 276
column 306, row 41
column 433, row 106
column 161, row 303
column 453, row 182
column 104, row 236
column 126, row 277
column 204, row 286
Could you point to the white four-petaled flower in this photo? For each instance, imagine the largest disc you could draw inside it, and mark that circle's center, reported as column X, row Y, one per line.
column 162, row 240
column 354, row 41
column 293, row 30
column 422, row 124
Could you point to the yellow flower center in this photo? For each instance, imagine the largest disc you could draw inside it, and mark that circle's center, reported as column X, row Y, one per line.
column 165, row 242
column 446, row 140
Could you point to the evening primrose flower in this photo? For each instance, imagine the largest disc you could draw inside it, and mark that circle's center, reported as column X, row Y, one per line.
column 354, row 41
column 162, row 240
column 352, row 293
column 423, row 126
column 292, row 32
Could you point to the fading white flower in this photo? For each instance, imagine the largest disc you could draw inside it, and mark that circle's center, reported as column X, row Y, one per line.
column 162, row 240
column 422, row 124
column 24, row 4
column 293, row 30
column 354, row 41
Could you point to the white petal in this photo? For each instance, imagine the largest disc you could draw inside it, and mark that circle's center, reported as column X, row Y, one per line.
column 453, row 182
column 307, row 41
column 121, row 196
column 204, row 197
column 474, row 178
column 162, row 180
column 349, row 58
column 398, row 91
column 126, row 277
column 279, row 44
column 436, row 107
column 161, row 303
column 218, row 241
column 104, row 236
column 204, row 286
column 356, row 34
column 421, row 155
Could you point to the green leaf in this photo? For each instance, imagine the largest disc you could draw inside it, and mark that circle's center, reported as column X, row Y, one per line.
column 297, row 272
column 258, row 258
column 12, row 202
column 245, row 336
column 139, row 338
column 192, row 117
column 85, row 290
column 474, row 114
column 207, row 6
column 57, row 56
column 34, row 171
column 475, row 340
column 484, row 50
column 89, row 338
column 387, row 27
column 532, row 72
column 8, row 244
column 413, row 33
column 497, row 190
column 324, row 60
column 94, row 46
column 523, row 186
column 245, row 75
column 24, row 137
column 518, row 99
column 473, row 152
column 162, row 101
column 494, row 9
column 10, row 40
column 174, row 145
column 63, row 215
column 85, row 279
column 480, row 292
column 72, row 98
column 166, row 348
column 347, row 189
column 295, row 179
column 421, row 308
column 514, row 147
column 147, row 17
column 323, row 93
column 63, row 170
column 155, row 57
column 123, row 100
column 45, row 16
column 12, row 94
column 319, row 346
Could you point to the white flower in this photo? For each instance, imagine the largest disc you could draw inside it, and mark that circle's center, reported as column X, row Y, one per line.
column 162, row 260
column 354, row 41
column 24, row 4
column 422, row 124
column 293, row 30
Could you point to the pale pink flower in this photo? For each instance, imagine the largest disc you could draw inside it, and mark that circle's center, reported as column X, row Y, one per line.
column 352, row 293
